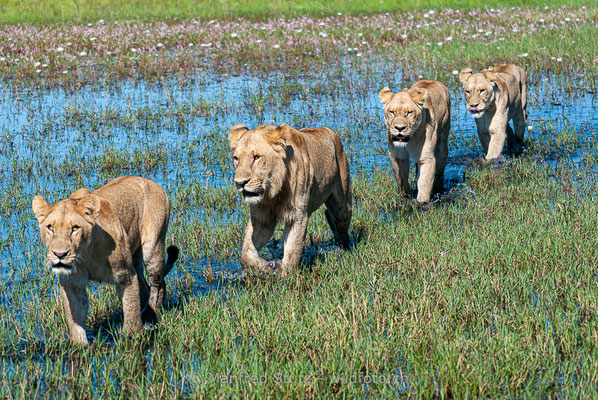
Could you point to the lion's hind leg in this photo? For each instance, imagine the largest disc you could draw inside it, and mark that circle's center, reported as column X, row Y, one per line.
column 338, row 215
column 147, row 314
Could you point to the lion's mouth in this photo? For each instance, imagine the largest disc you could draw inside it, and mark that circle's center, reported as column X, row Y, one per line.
column 257, row 193
column 400, row 139
column 61, row 265
column 474, row 110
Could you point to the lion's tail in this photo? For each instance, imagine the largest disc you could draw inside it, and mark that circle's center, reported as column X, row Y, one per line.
column 173, row 255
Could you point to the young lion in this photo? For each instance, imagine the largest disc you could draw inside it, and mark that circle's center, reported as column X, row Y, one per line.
column 495, row 96
column 107, row 236
column 285, row 174
column 417, row 127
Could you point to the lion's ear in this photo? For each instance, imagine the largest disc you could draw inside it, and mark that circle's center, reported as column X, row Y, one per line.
column 491, row 76
column 236, row 133
column 90, row 206
column 385, row 95
column 419, row 96
column 465, row 74
column 276, row 136
column 40, row 208
column 79, row 194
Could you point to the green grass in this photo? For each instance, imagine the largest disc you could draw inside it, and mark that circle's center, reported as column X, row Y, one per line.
column 44, row 11
column 490, row 295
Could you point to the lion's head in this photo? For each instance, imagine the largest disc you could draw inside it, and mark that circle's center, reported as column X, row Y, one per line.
column 479, row 90
column 259, row 159
column 66, row 227
column 403, row 113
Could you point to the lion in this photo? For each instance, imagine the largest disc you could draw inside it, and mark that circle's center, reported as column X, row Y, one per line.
column 285, row 174
column 494, row 97
column 417, row 127
column 107, row 236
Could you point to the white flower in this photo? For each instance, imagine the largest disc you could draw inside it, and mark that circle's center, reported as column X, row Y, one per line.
column 191, row 45
column 364, row 43
column 205, row 44
column 276, row 46
column 541, row 20
column 101, row 21
column 159, row 45
column 44, row 65
column 455, row 72
column 68, row 43
column 428, row 44
column 259, row 41
column 92, row 39
column 90, row 24
column 360, row 34
column 404, row 36
column 488, row 33
column 522, row 55
column 559, row 59
column 339, row 13
column 65, row 72
column 37, row 64
column 501, row 38
column 59, row 49
column 530, row 127
column 358, row 54
column 298, row 30
column 38, row 70
column 83, row 53
column 448, row 38
column 567, row 19
column 480, row 30
column 234, row 34
column 134, row 50
column 2, row 58
column 109, row 53
column 322, row 34
column 439, row 43
column 420, row 76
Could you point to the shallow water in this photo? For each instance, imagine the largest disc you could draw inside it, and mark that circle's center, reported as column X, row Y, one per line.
column 53, row 141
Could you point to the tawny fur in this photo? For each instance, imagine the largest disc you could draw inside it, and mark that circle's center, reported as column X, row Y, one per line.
column 107, row 236
column 417, row 127
column 285, row 174
column 500, row 95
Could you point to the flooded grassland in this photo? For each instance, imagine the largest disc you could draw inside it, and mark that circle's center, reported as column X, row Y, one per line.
column 490, row 291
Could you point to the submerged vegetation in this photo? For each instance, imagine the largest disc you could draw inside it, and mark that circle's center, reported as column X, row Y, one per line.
column 490, row 291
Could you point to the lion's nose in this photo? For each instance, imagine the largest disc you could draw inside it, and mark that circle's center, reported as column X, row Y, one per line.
column 241, row 182
column 474, row 105
column 400, row 128
column 60, row 254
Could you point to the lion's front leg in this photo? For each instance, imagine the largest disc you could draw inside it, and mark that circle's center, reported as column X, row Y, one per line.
column 425, row 182
column 257, row 235
column 129, row 294
column 75, row 304
column 498, row 135
column 294, row 236
column 400, row 169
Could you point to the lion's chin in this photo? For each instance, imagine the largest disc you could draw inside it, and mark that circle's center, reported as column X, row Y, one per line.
column 477, row 114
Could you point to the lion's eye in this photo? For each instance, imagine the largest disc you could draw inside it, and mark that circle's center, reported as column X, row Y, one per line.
column 409, row 112
column 467, row 91
column 75, row 229
column 391, row 112
column 235, row 158
column 482, row 90
column 256, row 157
column 50, row 228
